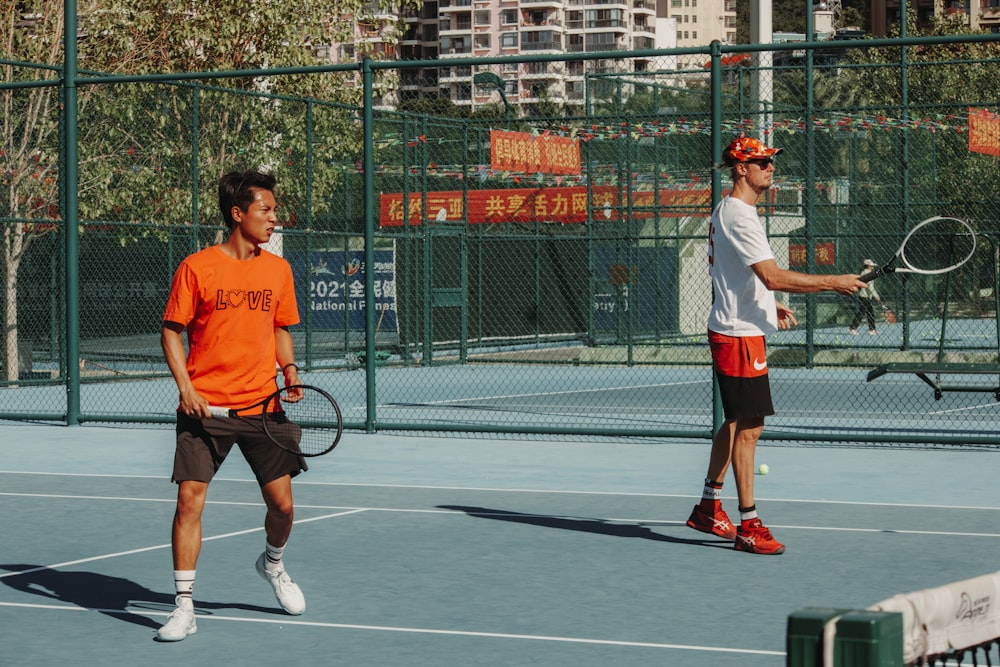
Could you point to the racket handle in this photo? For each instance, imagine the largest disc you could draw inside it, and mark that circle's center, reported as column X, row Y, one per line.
column 872, row 275
column 219, row 412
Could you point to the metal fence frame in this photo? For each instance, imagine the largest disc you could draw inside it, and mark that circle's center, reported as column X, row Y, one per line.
column 372, row 237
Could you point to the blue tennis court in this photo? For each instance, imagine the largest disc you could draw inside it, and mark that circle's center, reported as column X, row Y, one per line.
column 471, row 551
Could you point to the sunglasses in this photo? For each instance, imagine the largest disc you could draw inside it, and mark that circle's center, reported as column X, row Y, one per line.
column 763, row 162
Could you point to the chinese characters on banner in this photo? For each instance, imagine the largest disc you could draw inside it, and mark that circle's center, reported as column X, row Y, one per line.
column 336, row 296
column 545, row 204
column 530, row 154
column 984, row 132
column 826, row 254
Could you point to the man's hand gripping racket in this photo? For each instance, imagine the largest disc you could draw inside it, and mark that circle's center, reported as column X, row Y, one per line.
column 935, row 245
column 300, row 418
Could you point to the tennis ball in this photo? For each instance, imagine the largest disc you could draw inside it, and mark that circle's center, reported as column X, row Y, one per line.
column 763, row 469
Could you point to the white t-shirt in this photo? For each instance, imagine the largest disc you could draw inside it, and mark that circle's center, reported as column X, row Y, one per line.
column 743, row 306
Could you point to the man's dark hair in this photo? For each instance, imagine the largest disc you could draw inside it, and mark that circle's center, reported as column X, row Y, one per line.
column 236, row 189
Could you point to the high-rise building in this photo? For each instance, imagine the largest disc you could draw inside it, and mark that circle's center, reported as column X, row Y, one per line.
column 456, row 29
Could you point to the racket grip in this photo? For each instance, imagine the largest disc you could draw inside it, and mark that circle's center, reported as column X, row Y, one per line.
column 218, row 412
column 872, row 275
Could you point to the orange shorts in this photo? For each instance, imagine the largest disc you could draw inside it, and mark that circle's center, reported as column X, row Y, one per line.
column 741, row 368
column 738, row 356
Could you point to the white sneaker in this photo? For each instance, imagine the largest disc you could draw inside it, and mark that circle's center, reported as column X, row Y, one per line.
column 179, row 625
column 287, row 592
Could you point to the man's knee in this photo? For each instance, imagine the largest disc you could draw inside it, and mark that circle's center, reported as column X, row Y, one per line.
column 278, row 497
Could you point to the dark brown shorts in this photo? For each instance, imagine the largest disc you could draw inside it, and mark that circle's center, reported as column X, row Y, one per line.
column 202, row 446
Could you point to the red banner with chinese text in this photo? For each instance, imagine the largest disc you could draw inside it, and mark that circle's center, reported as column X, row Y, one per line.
column 826, row 254
column 984, row 132
column 562, row 205
column 530, row 154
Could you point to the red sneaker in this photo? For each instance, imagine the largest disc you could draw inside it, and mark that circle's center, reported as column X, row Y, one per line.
column 753, row 536
column 716, row 524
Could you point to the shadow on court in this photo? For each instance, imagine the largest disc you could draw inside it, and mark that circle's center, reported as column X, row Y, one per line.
column 585, row 525
column 111, row 596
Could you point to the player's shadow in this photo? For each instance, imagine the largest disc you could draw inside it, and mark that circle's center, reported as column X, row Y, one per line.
column 111, row 596
column 584, row 524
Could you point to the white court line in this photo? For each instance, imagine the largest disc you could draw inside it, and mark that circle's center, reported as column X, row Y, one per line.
column 489, row 489
column 426, row 631
column 894, row 531
column 167, row 545
column 965, row 408
column 449, row 401
column 347, row 510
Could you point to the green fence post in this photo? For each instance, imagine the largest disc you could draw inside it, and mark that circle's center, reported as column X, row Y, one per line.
column 193, row 238
column 367, row 75
column 716, row 86
column 71, row 216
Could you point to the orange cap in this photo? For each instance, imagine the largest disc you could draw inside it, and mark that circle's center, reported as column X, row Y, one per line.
column 745, row 148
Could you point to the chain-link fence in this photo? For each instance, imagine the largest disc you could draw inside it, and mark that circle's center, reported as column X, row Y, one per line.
column 537, row 267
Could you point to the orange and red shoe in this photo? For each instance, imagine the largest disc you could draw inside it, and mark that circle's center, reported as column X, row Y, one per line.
column 716, row 523
column 754, row 537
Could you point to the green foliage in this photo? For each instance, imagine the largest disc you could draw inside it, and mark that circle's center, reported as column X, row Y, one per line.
column 943, row 81
column 790, row 16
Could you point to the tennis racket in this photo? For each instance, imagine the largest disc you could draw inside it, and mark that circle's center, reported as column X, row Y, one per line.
column 935, row 245
column 308, row 426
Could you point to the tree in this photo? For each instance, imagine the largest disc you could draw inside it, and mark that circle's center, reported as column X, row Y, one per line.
column 790, row 16
column 29, row 146
column 944, row 80
column 135, row 139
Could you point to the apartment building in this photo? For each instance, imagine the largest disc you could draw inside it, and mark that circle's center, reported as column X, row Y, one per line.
column 457, row 29
column 701, row 22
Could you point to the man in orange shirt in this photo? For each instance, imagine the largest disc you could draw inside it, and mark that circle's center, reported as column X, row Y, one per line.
column 236, row 302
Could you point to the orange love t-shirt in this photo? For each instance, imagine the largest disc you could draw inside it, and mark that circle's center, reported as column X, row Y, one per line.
column 230, row 309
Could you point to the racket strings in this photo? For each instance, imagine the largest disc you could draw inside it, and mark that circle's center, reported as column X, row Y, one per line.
column 939, row 245
column 311, row 425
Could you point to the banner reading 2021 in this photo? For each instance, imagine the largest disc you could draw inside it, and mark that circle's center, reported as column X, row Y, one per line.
column 336, row 288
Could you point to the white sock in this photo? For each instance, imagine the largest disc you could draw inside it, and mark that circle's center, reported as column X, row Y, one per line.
column 184, row 585
column 712, row 490
column 273, row 554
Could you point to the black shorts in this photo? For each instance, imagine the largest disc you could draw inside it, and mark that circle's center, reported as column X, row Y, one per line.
column 745, row 398
column 741, row 366
column 202, row 446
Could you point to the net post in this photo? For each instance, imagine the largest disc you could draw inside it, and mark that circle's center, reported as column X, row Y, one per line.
column 804, row 636
column 869, row 639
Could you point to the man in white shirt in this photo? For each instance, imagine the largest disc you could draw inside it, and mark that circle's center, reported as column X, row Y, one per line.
column 745, row 276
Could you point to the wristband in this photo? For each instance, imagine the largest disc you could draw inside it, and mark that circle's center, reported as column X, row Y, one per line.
column 284, row 369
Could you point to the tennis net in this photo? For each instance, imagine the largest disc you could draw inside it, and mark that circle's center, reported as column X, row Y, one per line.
column 955, row 624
